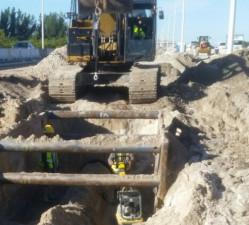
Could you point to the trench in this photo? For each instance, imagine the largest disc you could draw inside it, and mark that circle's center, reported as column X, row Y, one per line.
column 75, row 204
column 94, row 205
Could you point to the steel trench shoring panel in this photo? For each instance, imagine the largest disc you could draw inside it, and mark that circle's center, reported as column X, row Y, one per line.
column 71, row 146
column 64, row 114
column 75, row 179
column 156, row 180
column 79, row 179
column 153, row 180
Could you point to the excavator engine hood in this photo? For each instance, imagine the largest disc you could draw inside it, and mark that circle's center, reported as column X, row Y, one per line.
column 106, row 6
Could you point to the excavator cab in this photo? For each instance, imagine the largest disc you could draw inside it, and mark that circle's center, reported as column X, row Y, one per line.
column 141, row 46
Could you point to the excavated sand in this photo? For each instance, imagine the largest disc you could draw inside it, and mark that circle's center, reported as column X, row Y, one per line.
column 210, row 99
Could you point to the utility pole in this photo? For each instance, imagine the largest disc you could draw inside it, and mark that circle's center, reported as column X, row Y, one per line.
column 182, row 34
column 42, row 23
column 168, row 33
column 231, row 27
column 174, row 29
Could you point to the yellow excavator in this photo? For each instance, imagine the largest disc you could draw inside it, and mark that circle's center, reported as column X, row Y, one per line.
column 102, row 50
column 204, row 46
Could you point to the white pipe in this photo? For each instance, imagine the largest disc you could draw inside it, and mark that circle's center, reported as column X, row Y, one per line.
column 182, row 34
column 231, row 26
column 42, row 23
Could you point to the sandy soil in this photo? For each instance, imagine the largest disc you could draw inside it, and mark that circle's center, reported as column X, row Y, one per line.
column 208, row 99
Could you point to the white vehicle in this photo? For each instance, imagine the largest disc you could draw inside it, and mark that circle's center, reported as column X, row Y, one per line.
column 237, row 45
column 222, row 47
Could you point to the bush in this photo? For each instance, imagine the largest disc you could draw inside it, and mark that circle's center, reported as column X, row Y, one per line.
column 6, row 42
column 49, row 43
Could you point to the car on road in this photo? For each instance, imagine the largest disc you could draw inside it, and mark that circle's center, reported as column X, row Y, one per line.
column 222, row 45
column 237, row 44
column 23, row 44
column 222, row 48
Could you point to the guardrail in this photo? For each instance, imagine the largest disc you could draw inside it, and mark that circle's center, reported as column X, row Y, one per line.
column 8, row 55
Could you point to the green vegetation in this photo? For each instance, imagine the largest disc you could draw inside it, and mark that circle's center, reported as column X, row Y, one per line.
column 245, row 44
column 6, row 42
column 17, row 26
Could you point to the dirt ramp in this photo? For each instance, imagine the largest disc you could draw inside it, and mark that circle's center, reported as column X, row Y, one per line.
column 67, row 214
column 84, row 205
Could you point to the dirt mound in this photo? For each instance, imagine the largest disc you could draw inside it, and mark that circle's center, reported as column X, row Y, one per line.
column 73, row 209
column 51, row 63
column 210, row 189
column 218, row 69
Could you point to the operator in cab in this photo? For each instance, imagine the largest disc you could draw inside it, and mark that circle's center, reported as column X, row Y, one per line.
column 139, row 29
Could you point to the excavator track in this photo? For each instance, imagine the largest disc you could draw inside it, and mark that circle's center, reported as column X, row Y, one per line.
column 62, row 84
column 143, row 85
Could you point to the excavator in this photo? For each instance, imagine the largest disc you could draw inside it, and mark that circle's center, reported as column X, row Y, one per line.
column 102, row 50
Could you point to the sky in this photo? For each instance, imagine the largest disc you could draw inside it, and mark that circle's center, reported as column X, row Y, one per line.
column 202, row 17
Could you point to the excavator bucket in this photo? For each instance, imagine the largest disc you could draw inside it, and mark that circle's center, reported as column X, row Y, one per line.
column 106, row 6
